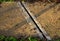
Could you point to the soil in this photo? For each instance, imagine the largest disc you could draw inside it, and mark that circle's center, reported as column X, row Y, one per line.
column 13, row 23
column 49, row 19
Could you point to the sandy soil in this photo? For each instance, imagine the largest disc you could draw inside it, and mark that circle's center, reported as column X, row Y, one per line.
column 11, row 21
column 50, row 19
column 37, row 6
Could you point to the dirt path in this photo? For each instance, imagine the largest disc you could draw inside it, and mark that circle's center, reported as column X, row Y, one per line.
column 48, row 18
column 13, row 23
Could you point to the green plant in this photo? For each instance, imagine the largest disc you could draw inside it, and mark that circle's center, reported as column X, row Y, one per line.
column 2, row 37
column 10, row 39
column 32, row 39
column 22, row 39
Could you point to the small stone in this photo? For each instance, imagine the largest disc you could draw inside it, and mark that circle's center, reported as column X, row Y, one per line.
column 58, row 18
column 34, row 28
